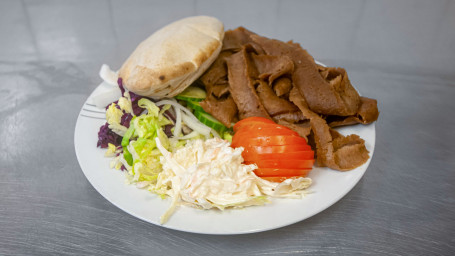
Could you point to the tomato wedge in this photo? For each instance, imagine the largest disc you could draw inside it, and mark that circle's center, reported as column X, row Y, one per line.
column 281, row 172
column 284, row 163
column 253, row 157
column 249, row 120
column 279, row 179
column 276, row 149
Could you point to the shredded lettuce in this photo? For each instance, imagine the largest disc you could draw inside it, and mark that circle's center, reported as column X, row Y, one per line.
column 139, row 147
column 111, row 150
column 113, row 114
column 125, row 103
column 227, row 136
column 152, row 109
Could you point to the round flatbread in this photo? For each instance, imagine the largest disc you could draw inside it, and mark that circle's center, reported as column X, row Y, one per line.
column 173, row 57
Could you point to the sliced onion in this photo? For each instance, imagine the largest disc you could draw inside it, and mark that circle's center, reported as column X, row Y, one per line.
column 176, row 105
column 189, row 135
column 195, row 125
column 178, row 123
column 188, row 117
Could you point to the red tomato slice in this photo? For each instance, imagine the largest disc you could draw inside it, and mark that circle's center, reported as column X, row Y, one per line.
column 276, row 149
column 253, row 157
column 241, row 138
column 254, row 119
column 276, row 140
column 281, row 172
column 261, row 131
column 278, row 179
column 285, row 163
column 256, row 126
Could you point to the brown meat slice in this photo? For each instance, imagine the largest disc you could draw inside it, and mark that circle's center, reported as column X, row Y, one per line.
column 339, row 80
column 291, row 117
column 220, row 90
column 217, row 73
column 303, row 129
column 323, row 97
column 218, row 102
column 332, row 149
column 350, row 151
column 224, row 110
column 272, row 103
column 235, row 39
column 282, row 86
column 240, row 73
column 366, row 114
column 271, row 67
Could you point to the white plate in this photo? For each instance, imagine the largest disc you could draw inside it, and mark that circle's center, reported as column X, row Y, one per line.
column 328, row 187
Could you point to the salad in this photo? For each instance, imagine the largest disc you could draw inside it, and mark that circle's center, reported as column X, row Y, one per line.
column 173, row 148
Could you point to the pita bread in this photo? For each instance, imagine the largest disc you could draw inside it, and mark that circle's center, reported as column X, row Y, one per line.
column 173, row 57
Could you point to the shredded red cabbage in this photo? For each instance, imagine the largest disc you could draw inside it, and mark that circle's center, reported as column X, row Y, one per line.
column 126, row 119
column 120, row 84
column 168, row 130
column 106, row 136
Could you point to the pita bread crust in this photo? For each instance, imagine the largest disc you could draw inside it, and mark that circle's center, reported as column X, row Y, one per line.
column 173, row 57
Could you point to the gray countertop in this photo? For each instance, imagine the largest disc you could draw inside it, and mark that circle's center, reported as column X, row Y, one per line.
column 400, row 52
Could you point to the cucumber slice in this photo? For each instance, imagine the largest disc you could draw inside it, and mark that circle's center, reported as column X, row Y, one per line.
column 192, row 93
column 210, row 121
column 195, row 106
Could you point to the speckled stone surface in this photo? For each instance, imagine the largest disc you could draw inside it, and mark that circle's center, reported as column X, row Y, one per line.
column 399, row 52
